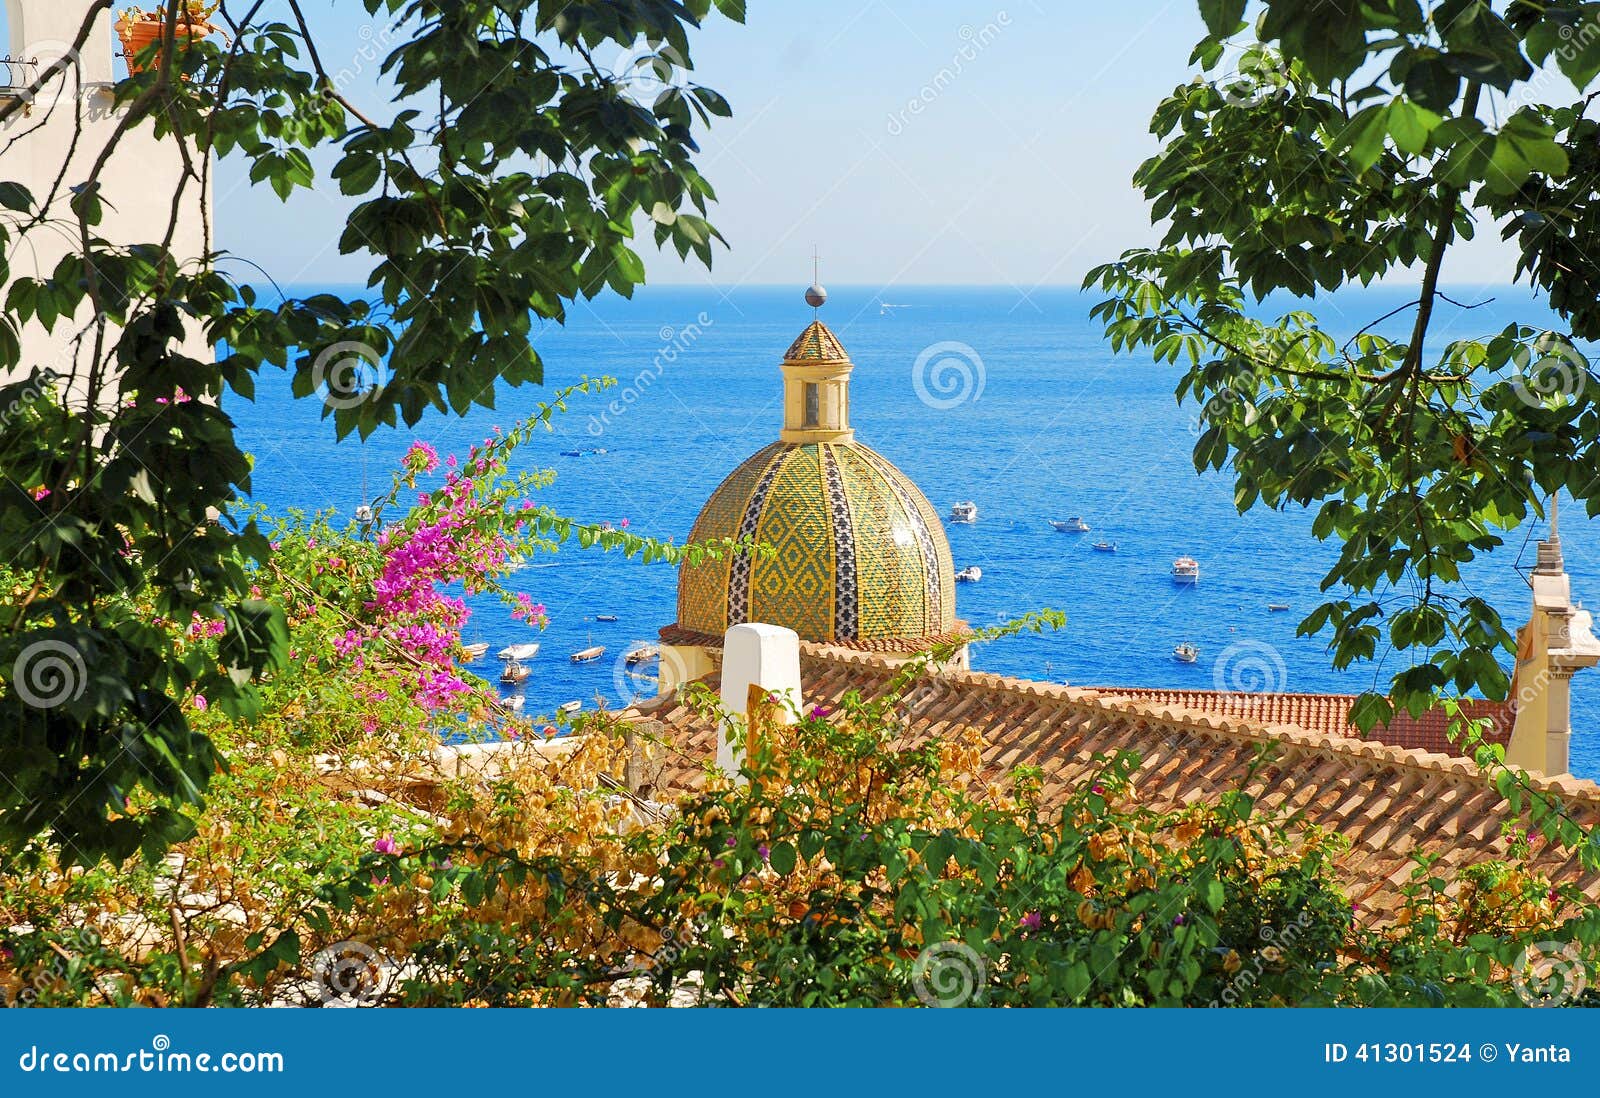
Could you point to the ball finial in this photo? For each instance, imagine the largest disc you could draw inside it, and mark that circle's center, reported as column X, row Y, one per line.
column 815, row 296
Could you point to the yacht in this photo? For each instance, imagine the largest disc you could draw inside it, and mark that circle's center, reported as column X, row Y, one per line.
column 1105, row 547
column 519, row 651
column 588, row 655
column 1073, row 525
column 1186, row 653
column 965, row 512
column 970, row 574
column 514, row 672
column 1185, row 570
column 471, row 653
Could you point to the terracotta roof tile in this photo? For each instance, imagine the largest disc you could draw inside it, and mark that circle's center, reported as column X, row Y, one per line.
column 1393, row 801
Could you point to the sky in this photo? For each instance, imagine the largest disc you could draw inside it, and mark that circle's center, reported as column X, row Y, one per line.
column 940, row 142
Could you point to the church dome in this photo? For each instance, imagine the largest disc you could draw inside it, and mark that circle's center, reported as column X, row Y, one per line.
column 859, row 557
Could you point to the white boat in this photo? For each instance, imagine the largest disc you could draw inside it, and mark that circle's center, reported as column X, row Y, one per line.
column 965, row 512
column 514, row 672
column 1276, row 606
column 643, row 654
column 519, row 651
column 512, row 703
column 1185, row 570
column 970, row 574
column 588, row 655
column 1105, row 547
column 1186, row 653
column 471, row 653
column 605, row 617
column 1073, row 525
column 569, row 707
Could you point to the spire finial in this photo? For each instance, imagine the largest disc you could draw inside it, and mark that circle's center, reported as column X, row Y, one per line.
column 815, row 294
column 1549, row 561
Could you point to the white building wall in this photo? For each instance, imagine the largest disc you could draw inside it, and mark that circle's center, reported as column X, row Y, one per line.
column 36, row 142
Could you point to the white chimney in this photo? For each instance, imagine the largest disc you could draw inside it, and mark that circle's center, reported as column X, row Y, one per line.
column 764, row 656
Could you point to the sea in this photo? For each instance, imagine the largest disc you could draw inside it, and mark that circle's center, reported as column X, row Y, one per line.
column 1008, row 398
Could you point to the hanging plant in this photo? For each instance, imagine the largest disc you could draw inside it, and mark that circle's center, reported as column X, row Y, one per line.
column 141, row 28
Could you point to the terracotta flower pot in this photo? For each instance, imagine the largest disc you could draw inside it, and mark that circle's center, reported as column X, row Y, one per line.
column 139, row 35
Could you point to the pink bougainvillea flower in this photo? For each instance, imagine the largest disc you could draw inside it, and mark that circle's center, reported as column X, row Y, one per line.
column 421, row 458
column 40, row 492
column 1097, row 789
column 200, row 702
column 764, row 852
column 819, row 711
column 1031, row 921
column 386, row 845
column 624, row 524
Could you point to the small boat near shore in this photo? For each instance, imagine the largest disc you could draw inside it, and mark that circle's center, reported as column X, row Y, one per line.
column 1105, row 547
column 514, row 672
column 570, row 707
column 964, row 513
column 471, row 653
column 643, row 654
column 1073, row 525
column 1185, row 570
column 970, row 574
column 1186, row 653
column 511, row 703
column 605, row 617
column 519, row 651
column 588, row 655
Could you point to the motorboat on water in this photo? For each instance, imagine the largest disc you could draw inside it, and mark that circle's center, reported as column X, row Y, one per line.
column 569, row 707
column 1185, row 570
column 1276, row 606
column 1073, row 525
column 514, row 672
column 970, row 574
column 519, row 651
column 571, row 453
column 588, row 655
column 471, row 653
column 965, row 512
column 512, row 703
column 605, row 617
column 1105, row 547
column 643, row 654
column 1186, row 653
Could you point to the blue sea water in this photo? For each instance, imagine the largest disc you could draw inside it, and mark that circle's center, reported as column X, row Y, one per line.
column 1038, row 421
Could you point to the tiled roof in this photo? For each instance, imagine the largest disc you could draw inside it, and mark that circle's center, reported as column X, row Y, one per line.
column 816, row 344
column 1328, row 714
column 1393, row 804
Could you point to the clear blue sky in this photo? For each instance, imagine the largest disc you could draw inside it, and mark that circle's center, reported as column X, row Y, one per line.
column 1014, row 170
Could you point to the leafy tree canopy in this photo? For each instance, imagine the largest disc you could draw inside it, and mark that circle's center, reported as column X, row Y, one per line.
column 1333, row 143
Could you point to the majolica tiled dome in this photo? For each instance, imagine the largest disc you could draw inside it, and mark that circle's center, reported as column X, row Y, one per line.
column 859, row 554
column 860, row 557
